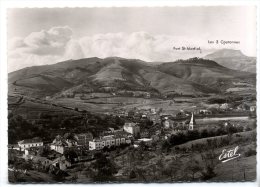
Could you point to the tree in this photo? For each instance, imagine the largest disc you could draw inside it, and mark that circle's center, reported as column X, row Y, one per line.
column 193, row 135
column 74, row 178
column 210, row 162
column 154, row 171
column 193, row 167
column 106, row 149
column 142, row 146
column 141, row 173
column 71, row 155
column 204, row 133
column 89, row 171
column 132, row 174
column 209, row 173
column 105, row 169
column 60, row 176
column 44, row 151
column 70, row 136
column 231, row 129
column 131, row 158
column 172, row 169
column 165, row 146
column 16, row 176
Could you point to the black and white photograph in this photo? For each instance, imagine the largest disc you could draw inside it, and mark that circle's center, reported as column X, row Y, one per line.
column 163, row 94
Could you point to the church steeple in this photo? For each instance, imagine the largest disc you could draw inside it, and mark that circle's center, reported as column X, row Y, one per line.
column 192, row 122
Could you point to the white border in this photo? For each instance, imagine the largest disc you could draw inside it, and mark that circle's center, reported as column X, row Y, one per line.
column 5, row 4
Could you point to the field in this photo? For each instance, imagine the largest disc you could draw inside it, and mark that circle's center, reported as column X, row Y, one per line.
column 243, row 121
column 109, row 104
column 30, row 176
column 243, row 168
column 32, row 110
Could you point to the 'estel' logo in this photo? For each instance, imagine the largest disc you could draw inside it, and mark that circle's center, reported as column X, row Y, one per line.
column 228, row 155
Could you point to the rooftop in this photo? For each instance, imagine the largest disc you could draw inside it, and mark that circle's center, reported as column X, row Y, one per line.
column 145, row 139
column 84, row 134
column 13, row 146
column 60, row 143
column 110, row 137
column 33, row 140
column 130, row 124
column 39, row 159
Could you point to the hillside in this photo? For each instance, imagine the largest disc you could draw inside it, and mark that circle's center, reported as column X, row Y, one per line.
column 233, row 59
column 185, row 77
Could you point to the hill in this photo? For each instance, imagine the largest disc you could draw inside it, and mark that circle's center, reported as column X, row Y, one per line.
column 233, row 59
column 184, row 77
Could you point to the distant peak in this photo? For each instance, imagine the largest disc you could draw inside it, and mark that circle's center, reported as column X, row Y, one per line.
column 225, row 53
column 114, row 58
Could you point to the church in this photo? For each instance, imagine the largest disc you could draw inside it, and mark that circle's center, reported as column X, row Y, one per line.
column 192, row 123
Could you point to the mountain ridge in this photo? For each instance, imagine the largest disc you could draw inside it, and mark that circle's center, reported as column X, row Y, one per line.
column 193, row 76
column 233, row 59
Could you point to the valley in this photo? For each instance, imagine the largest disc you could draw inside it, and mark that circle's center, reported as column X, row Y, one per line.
column 103, row 96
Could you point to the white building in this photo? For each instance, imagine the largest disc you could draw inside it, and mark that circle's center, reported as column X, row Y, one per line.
column 167, row 123
column 153, row 110
column 62, row 163
column 192, row 122
column 84, row 138
column 47, row 98
column 35, row 142
column 146, row 141
column 224, row 106
column 107, row 141
column 205, row 111
column 252, row 108
column 60, row 144
column 132, row 128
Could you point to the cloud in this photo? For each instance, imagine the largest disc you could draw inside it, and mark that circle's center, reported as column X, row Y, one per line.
column 38, row 48
column 141, row 45
column 44, row 42
column 57, row 44
column 73, row 50
column 48, row 42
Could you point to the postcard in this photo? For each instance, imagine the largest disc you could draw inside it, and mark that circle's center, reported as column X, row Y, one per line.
column 131, row 94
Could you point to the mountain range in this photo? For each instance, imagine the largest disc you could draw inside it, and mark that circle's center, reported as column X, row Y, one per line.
column 195, row 76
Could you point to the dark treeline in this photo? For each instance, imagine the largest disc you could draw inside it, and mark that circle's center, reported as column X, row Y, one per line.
column 183, row 137
column 47, row 126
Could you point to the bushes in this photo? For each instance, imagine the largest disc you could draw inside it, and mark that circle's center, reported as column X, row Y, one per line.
column 250, row 152
column 182, row 137
column 47, row 125
column 132, row 174
column 204, row 133
column 209, row 173
column 105, row 169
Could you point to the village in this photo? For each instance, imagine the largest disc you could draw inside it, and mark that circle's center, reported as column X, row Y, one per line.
column 71, row 150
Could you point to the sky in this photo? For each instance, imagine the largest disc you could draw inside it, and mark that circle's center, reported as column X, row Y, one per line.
column 38, row 36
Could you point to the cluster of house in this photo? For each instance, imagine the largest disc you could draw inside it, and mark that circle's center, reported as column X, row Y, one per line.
column 67, row 142
column 54, row 161
column 235, row 107
column 108, row 141
column 182, row 121
column 136, row 113
column 25, row 144
column 130, row 133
